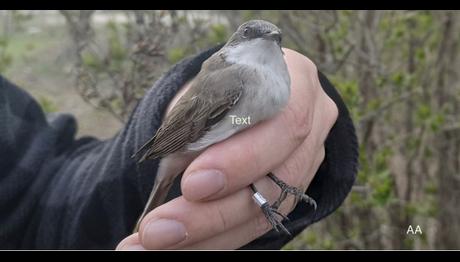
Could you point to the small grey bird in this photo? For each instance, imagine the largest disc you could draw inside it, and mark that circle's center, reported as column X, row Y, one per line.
column 246, row 79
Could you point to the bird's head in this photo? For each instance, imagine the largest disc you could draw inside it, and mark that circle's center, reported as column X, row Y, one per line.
column 256, row 29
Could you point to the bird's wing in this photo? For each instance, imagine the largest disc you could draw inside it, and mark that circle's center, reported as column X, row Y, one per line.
column 196, row 112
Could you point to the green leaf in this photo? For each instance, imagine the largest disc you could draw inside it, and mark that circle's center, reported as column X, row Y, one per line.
column 176, row 54
column 436, row 122
column 382, row 187
column 423, row 112
column 91, row 61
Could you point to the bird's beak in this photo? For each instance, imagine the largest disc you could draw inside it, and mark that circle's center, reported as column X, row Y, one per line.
column 273, row 36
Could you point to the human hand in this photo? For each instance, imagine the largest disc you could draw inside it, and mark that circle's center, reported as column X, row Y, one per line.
column 216, row 210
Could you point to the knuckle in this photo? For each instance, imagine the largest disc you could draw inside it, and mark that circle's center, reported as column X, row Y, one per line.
column 310, row 65
column 320, row 157
column 301, row 61
column 331, row 108
column 218, row 219
column 298, row 122
column 222, row 220
column 322, row 153
column 291, row 171
column 297, row 169
column 307, row 65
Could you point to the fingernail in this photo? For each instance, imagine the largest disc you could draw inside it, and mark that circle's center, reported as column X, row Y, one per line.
column 163, row 233
column 203, row 183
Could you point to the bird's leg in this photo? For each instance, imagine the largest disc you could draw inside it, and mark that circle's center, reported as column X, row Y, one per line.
column 269, row 212
column 287, row 189
column 280, row 199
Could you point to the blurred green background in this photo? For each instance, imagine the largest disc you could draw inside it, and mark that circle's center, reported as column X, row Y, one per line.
column 398, row 72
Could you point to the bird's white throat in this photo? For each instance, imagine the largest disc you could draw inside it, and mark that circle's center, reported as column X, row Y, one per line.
column 255, row 52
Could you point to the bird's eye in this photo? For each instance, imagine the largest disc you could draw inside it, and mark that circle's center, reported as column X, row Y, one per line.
column 245, row 32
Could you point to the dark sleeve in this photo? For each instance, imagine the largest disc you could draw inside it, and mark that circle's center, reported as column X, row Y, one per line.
column 58, row 192
column 332, row 181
